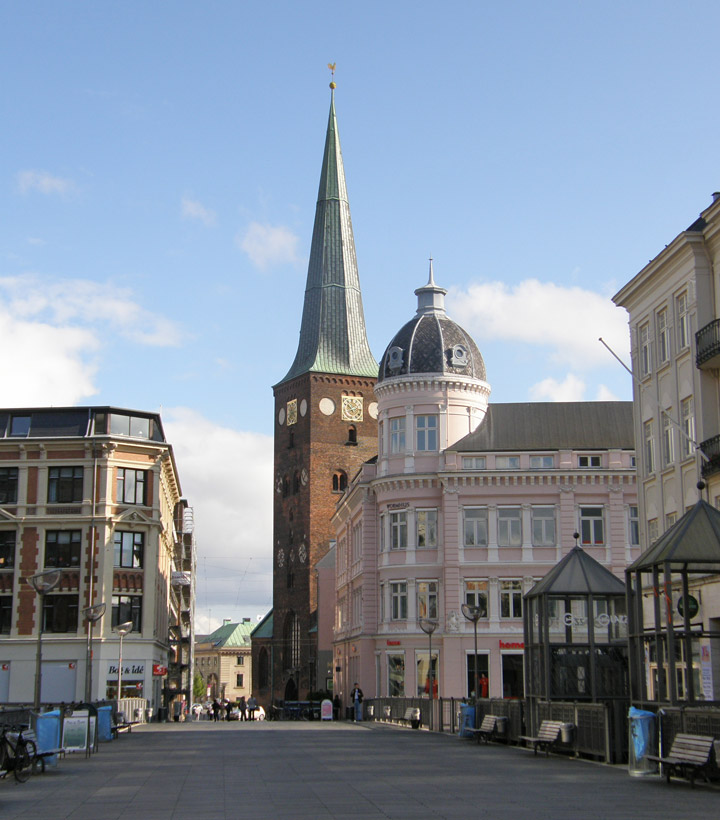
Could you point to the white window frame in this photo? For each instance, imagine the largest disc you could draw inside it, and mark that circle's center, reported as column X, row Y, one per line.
column 544, row 532
column 474, row 462
column 509, row 526
column 426, row 433
column 590, row 462
column 542, row 462
column 398, row 601
column 398, row 530
column 634, row 525
column 592, row 524
column 683, row 320
column 476, row 594
column 511, row 598
column 477, row 519
column 427, row 599
column 663, row 336
column 687, row 420
column 426, row 524
column 644, row 350
column 397, row 434
column 507, row 462
column 668, row 440
column 649, row 444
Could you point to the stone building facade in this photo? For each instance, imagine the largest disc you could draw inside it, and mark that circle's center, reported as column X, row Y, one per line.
column 94, row 493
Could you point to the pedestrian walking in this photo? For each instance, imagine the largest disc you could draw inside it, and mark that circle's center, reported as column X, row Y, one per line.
column 356, row 696
column 216, row 710
column 251, row 707
column 228, row 709
column 242, row 706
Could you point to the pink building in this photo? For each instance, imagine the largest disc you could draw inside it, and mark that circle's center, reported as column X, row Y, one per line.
column 467, row 502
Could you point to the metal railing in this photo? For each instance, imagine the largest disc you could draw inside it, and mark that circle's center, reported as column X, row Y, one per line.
column 711, row 448
column 707, row 343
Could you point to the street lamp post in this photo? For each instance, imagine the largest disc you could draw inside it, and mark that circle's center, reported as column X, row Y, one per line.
column 42, row 583
column 122, row 630
column 428, row 626
column 474, row 613
column 92, row 614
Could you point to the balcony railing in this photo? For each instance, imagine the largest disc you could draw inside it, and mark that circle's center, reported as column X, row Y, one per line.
column 711, row 448
column 707, row 343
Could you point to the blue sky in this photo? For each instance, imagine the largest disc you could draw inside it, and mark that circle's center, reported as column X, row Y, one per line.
column 159, row 167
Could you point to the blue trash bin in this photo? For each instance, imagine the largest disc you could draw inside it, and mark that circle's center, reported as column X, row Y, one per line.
column 467, row 720
column 641, row 737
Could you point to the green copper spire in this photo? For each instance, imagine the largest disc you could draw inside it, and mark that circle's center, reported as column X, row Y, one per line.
column 332, row 334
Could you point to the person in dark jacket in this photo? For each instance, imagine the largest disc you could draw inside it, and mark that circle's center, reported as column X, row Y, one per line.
column 356, row 696
column 216, row 710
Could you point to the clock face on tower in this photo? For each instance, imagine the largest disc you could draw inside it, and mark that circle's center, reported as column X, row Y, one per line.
column 352, row 408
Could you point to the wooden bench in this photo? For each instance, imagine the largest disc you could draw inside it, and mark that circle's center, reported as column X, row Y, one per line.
column 411, row 716
column 488, row 728
column 689, row 756
column 546, row 737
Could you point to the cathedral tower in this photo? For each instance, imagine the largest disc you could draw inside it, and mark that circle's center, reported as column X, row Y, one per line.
column 325, row 428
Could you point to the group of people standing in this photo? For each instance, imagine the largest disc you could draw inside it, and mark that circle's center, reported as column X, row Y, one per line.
column 245, row 708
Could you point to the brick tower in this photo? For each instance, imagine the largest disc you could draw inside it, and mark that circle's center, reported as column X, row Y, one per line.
column 325, row 428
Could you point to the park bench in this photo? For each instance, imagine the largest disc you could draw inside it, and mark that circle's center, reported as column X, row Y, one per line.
column 546, row 737
column 119, row 724
column 411, row 716
column 488, row 728
column 689, row 756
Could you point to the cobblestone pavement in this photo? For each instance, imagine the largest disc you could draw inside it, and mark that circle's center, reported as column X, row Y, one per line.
column 229, row 771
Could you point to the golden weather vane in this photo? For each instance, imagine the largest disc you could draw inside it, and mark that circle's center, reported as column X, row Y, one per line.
column 331, row 66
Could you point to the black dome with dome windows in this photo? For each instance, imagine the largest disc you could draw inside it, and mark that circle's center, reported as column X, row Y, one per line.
column 432, row 343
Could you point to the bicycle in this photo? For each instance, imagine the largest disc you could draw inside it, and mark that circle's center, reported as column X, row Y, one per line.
column 17, row 755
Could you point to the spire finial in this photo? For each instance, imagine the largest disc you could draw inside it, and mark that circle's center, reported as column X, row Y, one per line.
column 431, row 280
column 331, row 66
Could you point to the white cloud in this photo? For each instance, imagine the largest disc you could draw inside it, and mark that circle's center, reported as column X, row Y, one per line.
column 565, row 320
column 56, row 332
column 43, row 182
column 226, row 476
column 80, row 301
column 571, row 388
column 48, row 365
column 192, row 209
column 268, row 245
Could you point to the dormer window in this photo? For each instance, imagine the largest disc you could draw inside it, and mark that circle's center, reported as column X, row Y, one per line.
column 458, row 356
column 395, row 358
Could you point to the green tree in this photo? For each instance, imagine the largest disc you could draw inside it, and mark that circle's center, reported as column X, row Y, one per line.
column 199, row 687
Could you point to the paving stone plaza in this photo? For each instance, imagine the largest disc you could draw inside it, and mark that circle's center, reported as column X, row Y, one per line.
column 229, row 771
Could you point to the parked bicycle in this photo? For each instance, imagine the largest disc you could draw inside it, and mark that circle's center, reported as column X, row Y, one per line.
column 17, row 754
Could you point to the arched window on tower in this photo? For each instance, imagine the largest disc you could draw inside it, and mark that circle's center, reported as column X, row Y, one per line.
column 291, row 439
column 263, row 668
column 296, row 482
column 339, row 481
column 285, row 486
column 352, row 435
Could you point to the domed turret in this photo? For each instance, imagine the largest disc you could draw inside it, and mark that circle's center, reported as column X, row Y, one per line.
column 431, row 378
column 431, row 343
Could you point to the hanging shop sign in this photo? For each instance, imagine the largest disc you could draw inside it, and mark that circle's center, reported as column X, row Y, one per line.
column 159, row 670
column 693, row 607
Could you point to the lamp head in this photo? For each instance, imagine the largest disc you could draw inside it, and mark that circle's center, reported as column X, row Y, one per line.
column 45, row 582
column 94, row 613
column 123, row 629
column 428, row 625
column 472, row 613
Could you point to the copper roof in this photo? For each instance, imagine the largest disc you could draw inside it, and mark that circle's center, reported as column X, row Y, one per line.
column 333, row 338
